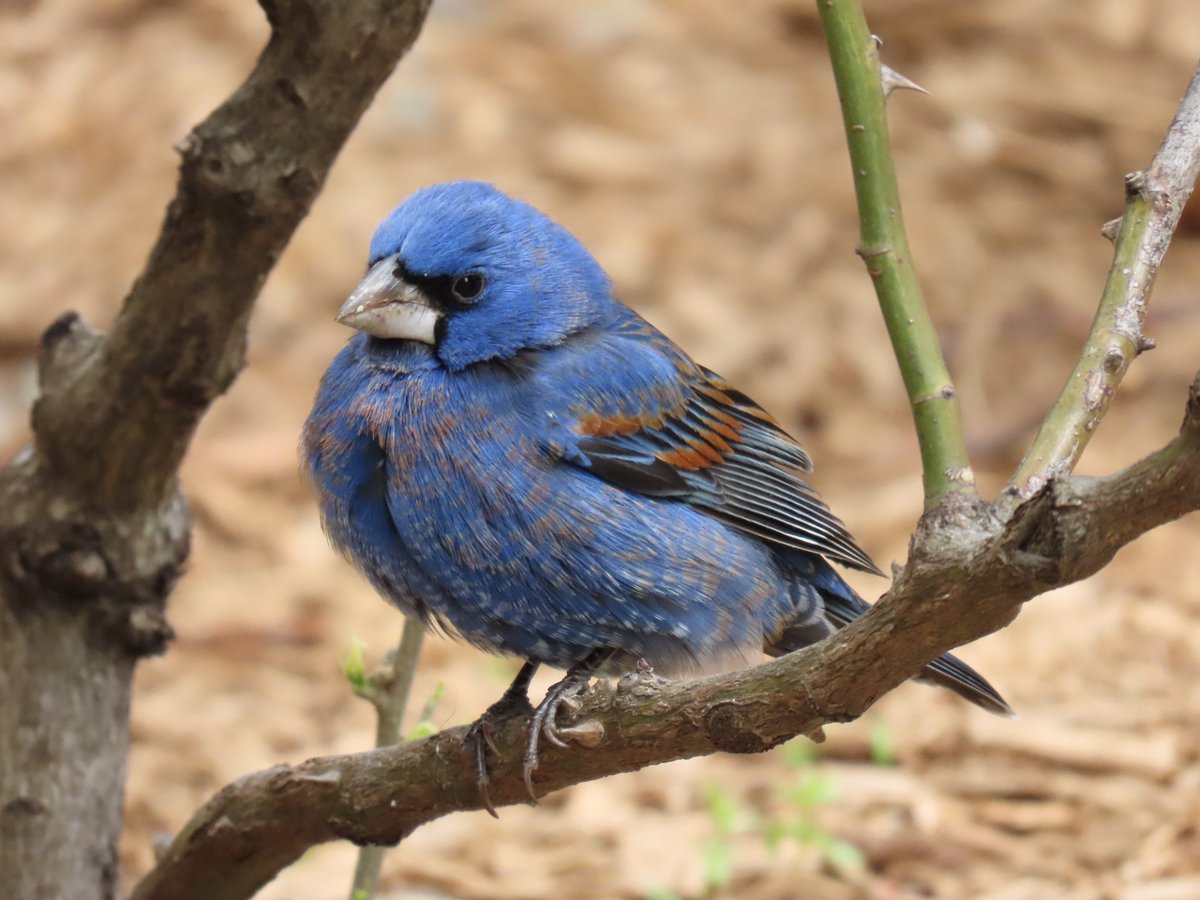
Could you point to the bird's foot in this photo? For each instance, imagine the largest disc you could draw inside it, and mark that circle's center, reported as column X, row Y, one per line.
column 544, row 722
column 478, row 740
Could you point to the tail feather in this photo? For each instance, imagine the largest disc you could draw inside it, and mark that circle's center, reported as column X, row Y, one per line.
column 842, row 606
column 949, row 671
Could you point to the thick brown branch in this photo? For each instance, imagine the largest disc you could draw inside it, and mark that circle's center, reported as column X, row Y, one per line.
column 970, row 572
column 118, row 427
column 93, row 529
column 1153, row 491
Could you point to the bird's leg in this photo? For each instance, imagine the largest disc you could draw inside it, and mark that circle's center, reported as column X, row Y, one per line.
column 543, row 723
column 515, row 700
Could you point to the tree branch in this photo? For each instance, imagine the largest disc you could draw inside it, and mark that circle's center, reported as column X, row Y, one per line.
column 1154, row 201
column 93, row 527
column 884, row 248
column 117, row 429
column 968, row 576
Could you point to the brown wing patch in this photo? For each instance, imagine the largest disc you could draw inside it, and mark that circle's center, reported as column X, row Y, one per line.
column 597, row 426
column 726, row 394
column 717, row 450
column 713, row 439
column 686, row 458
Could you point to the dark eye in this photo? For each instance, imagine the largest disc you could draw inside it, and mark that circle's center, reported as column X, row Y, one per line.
column 468, row 287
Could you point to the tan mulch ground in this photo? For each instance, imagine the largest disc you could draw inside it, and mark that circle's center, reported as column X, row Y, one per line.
column 695, row 146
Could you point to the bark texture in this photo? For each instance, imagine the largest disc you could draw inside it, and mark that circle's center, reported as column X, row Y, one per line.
column 93, row 527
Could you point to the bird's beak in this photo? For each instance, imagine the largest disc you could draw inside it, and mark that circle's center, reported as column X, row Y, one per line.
column 386, row 306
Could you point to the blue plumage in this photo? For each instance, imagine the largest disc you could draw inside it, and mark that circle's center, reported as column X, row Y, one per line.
column 508, row 451
column 451, row 494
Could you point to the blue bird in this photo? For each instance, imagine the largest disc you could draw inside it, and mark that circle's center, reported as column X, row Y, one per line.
column 511, row 454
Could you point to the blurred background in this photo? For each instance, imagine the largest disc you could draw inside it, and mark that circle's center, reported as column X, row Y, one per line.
column 695, row 146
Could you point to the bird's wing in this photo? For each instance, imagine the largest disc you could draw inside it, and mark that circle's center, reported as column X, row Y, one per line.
column 645, row 417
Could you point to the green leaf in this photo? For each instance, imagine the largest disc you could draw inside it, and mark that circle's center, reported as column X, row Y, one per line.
column 883, row 743
column 806, row 831
column 421, row 730
column 425, row 725
column 843, row 854
column 718, row 864
column 773, row 832
column 354, row 664
column 812, row 790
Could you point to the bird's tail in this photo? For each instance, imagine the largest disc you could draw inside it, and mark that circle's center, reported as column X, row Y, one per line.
column 842, row 606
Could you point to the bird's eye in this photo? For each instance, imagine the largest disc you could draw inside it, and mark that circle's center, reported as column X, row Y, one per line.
column 468, row 287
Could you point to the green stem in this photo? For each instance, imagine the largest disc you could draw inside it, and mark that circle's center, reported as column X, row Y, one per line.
column 388, row 693
column 884, row 248
column 1154, row 201
column 1106, row 356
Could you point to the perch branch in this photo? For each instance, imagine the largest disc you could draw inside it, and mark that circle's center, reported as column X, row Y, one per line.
column 969, row 575
column 884, row 248
column 1154, row 200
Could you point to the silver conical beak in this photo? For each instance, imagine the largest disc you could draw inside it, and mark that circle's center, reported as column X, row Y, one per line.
column 386, row 306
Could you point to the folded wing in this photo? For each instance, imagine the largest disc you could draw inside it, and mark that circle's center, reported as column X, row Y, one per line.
column 669, row 428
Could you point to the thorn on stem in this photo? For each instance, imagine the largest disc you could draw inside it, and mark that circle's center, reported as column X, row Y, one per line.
column 1111, row 229
column 1135, row 184
column 894, row 81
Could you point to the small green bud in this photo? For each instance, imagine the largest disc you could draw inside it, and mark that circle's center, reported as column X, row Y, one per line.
column 354, row 665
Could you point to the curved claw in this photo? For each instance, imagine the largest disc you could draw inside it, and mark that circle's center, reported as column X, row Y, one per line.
column 479, row 736
column 550, row 733
column 544, row 723
column 530, row 765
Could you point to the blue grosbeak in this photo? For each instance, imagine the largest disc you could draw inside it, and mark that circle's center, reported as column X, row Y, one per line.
column 508, row 452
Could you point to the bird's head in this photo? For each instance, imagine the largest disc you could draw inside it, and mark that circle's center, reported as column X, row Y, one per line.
column 476, row 274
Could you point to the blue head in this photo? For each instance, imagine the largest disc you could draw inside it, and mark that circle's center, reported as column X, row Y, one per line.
column 478, row 275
